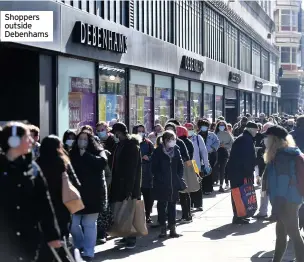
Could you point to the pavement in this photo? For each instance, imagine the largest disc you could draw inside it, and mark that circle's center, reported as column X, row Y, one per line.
column 210, row 237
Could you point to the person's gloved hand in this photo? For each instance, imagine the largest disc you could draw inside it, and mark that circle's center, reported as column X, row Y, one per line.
column 207, row 170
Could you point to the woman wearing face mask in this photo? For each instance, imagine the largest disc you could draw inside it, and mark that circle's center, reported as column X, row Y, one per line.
column 25, row 206
column 68, row 140
column 158, row 131
column 226, row 141
column 167, row 169
column 283, row 182
column 212, row 143
column 89, row 161
column 200, row 155
column 146, row 149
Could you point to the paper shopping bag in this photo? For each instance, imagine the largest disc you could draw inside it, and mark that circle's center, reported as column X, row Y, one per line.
column 139, row 221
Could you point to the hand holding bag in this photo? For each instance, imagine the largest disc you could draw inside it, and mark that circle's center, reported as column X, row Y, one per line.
column 70, row 195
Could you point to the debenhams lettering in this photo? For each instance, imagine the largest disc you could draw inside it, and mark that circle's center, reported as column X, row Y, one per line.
column 90, row 35
column 192, row 64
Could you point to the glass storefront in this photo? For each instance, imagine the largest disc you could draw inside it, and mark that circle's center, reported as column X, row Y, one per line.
column 258, row 96
column 196, row 101
column 140, row 93
column 219, row 92
column 248, row 103
column 242, row 103
column 181, row 100
column 263, row 104
column 111, row 93
column 208, row 102
column 163, row 98
column 253, row 97
column 76, row 94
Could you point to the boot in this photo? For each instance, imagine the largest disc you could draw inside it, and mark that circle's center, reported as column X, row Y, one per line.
column 163, row 232
column 173, row 233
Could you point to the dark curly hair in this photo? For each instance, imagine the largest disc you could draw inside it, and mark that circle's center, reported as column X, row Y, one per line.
column 203, row 122
column 93, row 147
column 221, row 122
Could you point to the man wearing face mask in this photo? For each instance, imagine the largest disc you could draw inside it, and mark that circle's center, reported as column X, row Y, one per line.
column 126, row 171
column 239, row 128
column 242, row 162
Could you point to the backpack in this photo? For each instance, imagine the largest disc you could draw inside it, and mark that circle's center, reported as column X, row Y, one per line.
column 300, row 173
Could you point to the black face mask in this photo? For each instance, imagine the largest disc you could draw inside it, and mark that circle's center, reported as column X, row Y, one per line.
column 243, row 123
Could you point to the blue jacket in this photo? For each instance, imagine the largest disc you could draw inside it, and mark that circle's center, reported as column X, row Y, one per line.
column 168, row 175
column 298, row 136
column 146, row 149
column 281, row 178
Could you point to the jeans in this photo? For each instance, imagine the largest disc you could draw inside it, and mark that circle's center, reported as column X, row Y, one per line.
column 288, row 224
column 221, row 168
column 84, row 232
column 148, row 199
column 170, row 207
column 185, row 202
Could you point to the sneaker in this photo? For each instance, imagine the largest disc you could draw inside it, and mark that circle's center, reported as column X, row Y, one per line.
column 130, row 245
column 122, row 241
column 87, row 259
column 149, row 220
column 199, row 209
column 260, row 216
column 227, row 186
column 185, row 220
column 221, row 190
column 240, row 221
column 101, row 241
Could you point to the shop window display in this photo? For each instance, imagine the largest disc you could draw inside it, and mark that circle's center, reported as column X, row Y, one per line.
column 218, row 101
column 111, row 93
column 196, row 101
column 181, row 100
column 208, row 102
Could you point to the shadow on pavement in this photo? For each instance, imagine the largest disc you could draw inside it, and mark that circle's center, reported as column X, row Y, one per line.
column 235, row 230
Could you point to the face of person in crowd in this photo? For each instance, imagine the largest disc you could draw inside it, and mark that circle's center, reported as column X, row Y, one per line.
column 222, row 127
column 253, row 131
column 102, row 131
column 118, row 136
column 158, row 130
column 171, row 143
column 83, row 141
column 190, row 131
column 26, row 143
column 229, row 128
column 204, row 128
column 141, row 131
column 35, row 138
column 70, row 141
column 243, row 123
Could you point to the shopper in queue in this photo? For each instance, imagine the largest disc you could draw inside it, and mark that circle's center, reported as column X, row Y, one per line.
column 146, row 149
column 35, row 133
column 168, row 170
column 89, row 160
column 242, row 163
column 126, row 172
column 226, row 141
column 55, row 163
column 212, row 143
column 68, row 140
column 157, row 132
column 283, row 181
column 26, row 210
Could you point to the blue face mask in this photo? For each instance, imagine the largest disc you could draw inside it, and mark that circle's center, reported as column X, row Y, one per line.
column 221, row 128
column 204, row 128
column 102, row 134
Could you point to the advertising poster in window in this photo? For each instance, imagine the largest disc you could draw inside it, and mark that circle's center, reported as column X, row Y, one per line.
column 140, row 109
column 111, row 107
column 148, row 115
column 102, row 107
column 181, row 105
column 81, row 102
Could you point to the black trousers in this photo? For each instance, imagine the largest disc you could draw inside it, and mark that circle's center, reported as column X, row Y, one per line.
column 220, row 169
column 207, row 183
column 196, row 198
column 148, row 199
column 165, row 208
column 185, row 202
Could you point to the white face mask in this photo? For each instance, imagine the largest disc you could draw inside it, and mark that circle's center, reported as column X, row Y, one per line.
column 191, row 133
column 171, row 143
column 221, row 128
column 69, row 142
column 141, row 134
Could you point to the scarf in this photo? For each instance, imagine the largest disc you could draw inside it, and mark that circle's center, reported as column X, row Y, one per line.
column 169, row 151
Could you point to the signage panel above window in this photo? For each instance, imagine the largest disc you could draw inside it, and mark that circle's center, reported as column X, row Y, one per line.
column 191, row 64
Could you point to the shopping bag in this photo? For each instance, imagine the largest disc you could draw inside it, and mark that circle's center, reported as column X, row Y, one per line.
column 244, row 199
column 191, row 179
column 123, row 216
column 139, row 221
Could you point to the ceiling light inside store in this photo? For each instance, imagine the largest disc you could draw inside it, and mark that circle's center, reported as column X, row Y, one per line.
column 112, row 78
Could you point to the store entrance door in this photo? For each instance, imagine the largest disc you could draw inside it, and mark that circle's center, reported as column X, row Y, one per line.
column 231, row 111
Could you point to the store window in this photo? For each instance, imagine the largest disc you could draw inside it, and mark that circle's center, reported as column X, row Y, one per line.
column 196, row 101
column 270, row 105
column 258, row 109
column 256, row 59
column 265, row 65
column 231, row 44
column 219, row 99
column 111, row 93
column 273, row 69
column 181, row 100
column 264, row 104
column 76, row 94
column 253, row 104
column 245, row 53
column 242, row 103
column 163, row 98
column 289, row 20
column 140, row 97
column 208, row 102
column 248, row 103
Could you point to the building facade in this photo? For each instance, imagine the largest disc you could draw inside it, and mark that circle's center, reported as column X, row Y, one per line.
column 288, row 39
column 142, row 62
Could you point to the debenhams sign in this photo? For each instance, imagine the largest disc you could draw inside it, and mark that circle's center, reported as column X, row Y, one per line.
column 91, row 35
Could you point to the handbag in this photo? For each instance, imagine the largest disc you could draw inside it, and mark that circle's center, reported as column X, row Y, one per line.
column 191, row 178
column 139, row 221
column 70, row 195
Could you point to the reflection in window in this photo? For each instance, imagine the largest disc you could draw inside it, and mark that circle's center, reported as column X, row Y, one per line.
column 208, row 102
column 140, row 92
column 258, row 105
column 265, row 65
column 162, row 101
column 196, row 101
column 242, row 103
column 111, row 93
column 256, row 59
column 245, row 53
column 231, row 43
column 218, row 101
column 253, row 97
column 181, row 100
column 248, row 103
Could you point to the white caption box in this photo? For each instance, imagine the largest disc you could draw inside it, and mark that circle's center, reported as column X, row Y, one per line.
column 26, row 26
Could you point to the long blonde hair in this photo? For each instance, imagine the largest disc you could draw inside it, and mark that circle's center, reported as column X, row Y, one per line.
column 275, row 144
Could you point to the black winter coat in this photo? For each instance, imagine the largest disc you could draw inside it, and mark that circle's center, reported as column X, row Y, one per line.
column 242, row 160
column 89, row 170
column 183, row 150
column 167, row 175
column 24, row 204
column 126, row 170
column 146, row 149
column 189, row 146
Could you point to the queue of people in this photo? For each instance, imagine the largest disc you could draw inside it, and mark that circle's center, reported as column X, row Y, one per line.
column 106, row 164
